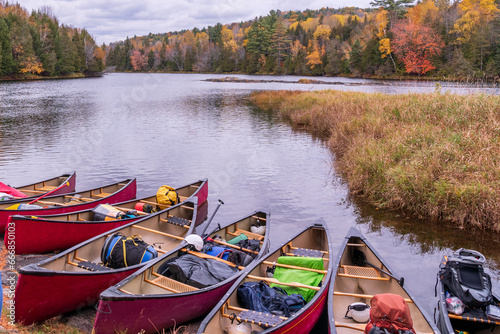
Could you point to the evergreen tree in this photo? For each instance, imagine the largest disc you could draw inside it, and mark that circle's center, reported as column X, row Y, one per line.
column 371, row 57
column 259, row 40
column 7, row 65
column 163, row 55
column 355, row 57
column 215, row 34
column 151, row 59
column 280, row 44
column 396, row 8
column 68, row 62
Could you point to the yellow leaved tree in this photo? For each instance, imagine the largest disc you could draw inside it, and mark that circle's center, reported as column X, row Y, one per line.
column 381, row 23
column 475, row 16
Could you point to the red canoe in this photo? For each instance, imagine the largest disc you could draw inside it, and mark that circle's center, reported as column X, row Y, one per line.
column 313, row 242
column 147, row 302
column 40, row 188
column 88, row 199
column 43, row 234
column 64, row 282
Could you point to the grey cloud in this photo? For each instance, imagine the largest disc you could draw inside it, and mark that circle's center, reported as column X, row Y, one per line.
column 114, row 20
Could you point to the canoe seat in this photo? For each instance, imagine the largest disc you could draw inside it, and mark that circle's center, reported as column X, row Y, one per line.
column 101, row 195
column 248, row 234
column 307, row 252
column 178, row 221
column 260, row 318
column 172, row 285
column 92, row 266
column 362, row 272
column 46, row 188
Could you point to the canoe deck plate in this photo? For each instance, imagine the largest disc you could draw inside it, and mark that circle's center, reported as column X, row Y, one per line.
column 178, row 221
column 260, row 318
column 92, row 266
column 361, row 271
column 307, row 252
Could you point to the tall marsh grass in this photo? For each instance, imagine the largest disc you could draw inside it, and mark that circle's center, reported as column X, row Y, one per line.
column 434, row 155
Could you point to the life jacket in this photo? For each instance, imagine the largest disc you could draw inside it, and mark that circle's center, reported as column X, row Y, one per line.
column 11, row 191
column 389, row 313
column 166, row 195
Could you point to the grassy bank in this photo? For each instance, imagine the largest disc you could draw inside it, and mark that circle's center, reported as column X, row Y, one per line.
column 434, row 155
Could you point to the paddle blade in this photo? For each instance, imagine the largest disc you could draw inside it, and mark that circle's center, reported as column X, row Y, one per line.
column 12, row 207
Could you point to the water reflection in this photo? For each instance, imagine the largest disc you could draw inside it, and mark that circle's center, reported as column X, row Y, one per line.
column 174, row 129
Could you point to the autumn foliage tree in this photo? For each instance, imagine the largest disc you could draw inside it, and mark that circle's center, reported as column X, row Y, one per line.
column 36, row 44
column 438, row 35
column 415, row 45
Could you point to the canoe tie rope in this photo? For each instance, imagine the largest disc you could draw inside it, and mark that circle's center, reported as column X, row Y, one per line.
column 102, row 311
column 262, row 319
column 307, row 252
column 92, row 266
column 233, row 317
column 178, row 221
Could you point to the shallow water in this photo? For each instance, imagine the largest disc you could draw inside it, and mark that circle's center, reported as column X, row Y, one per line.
column 176, row 128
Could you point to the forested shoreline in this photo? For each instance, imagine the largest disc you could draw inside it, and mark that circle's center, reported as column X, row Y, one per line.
column 431, row 39
column 440, row 39
column 36, row 46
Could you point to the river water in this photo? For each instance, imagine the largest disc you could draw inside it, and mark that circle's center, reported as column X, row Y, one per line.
column 177, row 128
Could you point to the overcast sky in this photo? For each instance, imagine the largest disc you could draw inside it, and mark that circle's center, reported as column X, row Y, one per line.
column 113, row 20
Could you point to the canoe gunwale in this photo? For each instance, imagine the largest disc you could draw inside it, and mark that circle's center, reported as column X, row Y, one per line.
column 114, row 294
column 67, row 175
column 318, row 297
column 128, row 183
column 70, row 177
column 35, row 269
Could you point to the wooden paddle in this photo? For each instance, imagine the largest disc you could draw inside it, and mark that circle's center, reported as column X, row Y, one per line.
column 66, row 184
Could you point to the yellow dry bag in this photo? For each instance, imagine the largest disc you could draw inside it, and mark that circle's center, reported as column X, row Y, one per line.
column 168, row 196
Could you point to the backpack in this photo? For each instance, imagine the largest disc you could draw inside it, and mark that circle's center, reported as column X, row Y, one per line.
column 463, row 275
column 166, row 195
column 106, row 212
column 258, row 296
column 389, row 313
column 120, row 251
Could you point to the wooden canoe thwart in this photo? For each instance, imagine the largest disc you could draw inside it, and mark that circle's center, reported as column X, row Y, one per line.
column 73, row 202
column 136, row 301
column 355, row 282
column 229, row 312
column 41, row 234
column 75, row 278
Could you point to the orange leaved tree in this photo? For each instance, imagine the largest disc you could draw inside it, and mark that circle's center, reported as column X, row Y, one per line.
column 415, row 45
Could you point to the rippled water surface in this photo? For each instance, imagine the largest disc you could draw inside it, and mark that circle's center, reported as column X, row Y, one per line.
column 174, row 129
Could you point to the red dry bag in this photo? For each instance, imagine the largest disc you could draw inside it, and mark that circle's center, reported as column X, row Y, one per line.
column 391, row 312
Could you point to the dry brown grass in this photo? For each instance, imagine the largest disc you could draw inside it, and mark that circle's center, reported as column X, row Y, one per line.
column 434, row 155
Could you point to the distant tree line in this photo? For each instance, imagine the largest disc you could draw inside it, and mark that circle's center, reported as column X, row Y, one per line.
column 457, row 39
column 37, row 44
